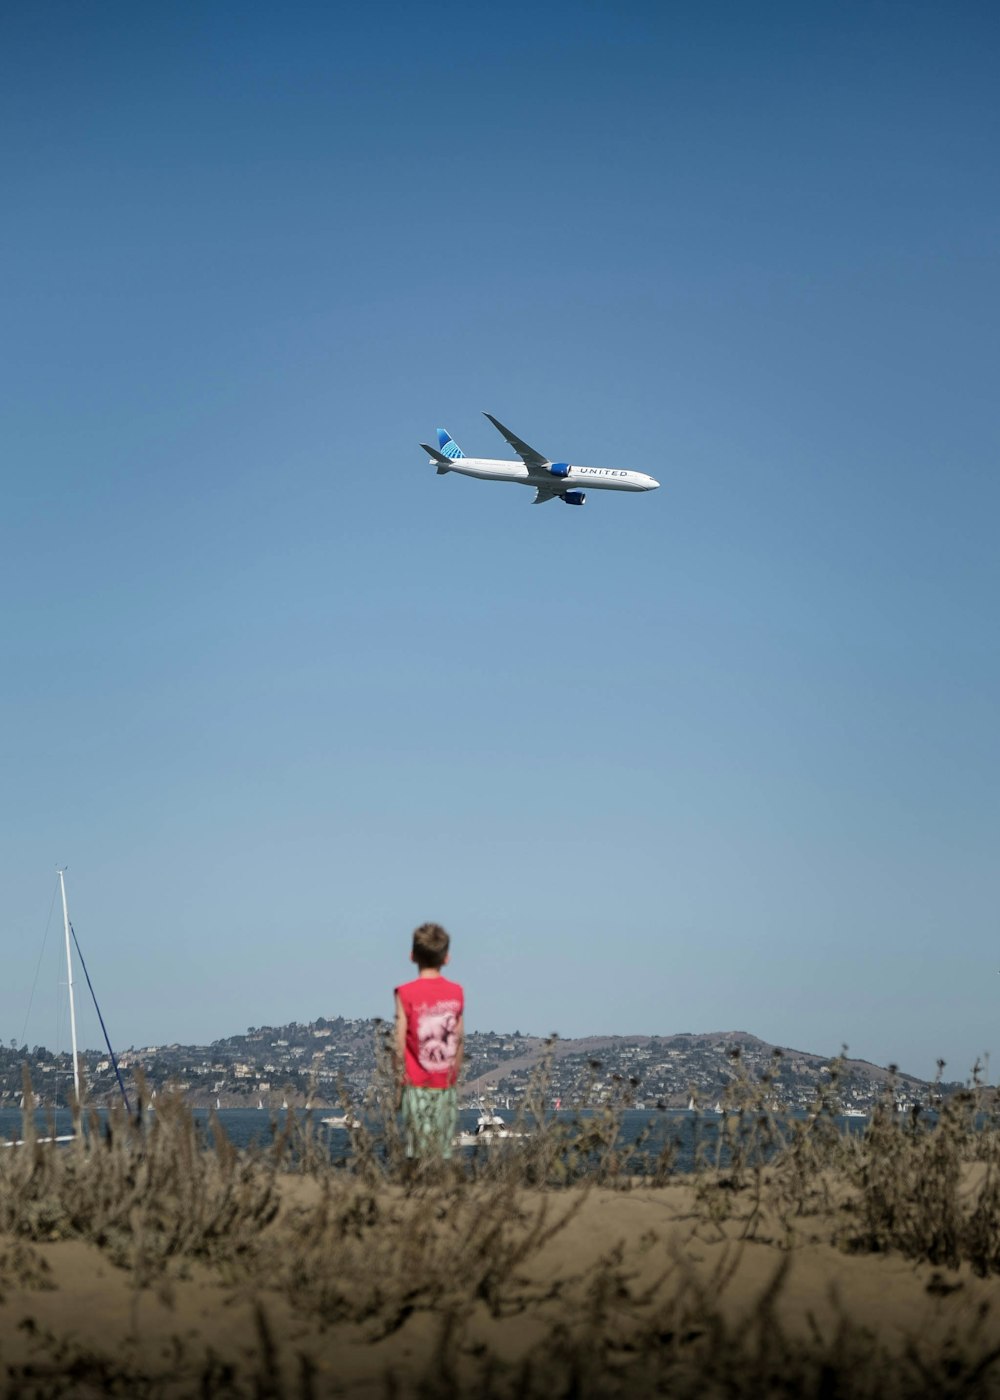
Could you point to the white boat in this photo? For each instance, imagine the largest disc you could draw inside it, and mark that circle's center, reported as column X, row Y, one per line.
column 62, row 1137
column 490, row 1128
column 854, row 1113
column 260, row 1105
column 692, row 1106
column 218, row 1105
column 341, row 1120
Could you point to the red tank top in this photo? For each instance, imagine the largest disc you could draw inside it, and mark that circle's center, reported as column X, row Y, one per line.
column 433, row 1008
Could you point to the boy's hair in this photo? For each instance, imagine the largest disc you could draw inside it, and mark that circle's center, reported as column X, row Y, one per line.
column 430, row 945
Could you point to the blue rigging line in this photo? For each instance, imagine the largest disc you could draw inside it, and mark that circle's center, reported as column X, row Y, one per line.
column 107, row 1038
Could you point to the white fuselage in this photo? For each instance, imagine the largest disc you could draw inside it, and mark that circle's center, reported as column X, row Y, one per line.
column 574, row 478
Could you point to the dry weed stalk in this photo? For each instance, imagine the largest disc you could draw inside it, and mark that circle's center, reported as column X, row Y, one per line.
column 144, row 1192
column 928, row 1185
column 378, row 1239
column 924, row 1183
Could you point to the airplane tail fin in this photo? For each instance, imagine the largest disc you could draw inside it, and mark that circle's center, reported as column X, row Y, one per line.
column 449, row 447
column 438, row 459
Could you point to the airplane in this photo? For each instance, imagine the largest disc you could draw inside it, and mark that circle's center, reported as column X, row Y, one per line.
column 550, row 479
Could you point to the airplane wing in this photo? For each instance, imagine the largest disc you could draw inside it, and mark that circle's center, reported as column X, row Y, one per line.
column 543, row 494
column 532, row 460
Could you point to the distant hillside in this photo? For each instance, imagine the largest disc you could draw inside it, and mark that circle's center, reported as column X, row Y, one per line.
column 310, row 1063
column 669, row 1070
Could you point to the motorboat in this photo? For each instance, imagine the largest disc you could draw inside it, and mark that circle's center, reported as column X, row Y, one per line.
column 341, row 1120
column 490, row 1128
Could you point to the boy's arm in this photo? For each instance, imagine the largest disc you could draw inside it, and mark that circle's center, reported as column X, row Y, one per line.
column 460, row 1046
column 399, row 1058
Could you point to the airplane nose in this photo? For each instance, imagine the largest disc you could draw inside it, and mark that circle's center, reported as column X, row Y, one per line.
column 653, row 483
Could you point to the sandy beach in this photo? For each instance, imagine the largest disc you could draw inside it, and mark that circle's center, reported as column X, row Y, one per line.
column 591, row 1291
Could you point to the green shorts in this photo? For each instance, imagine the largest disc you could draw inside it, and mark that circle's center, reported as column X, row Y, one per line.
column 430, row 1118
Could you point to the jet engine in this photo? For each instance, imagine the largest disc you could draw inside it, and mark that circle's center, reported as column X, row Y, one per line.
column 574, row 498
column 559, row 468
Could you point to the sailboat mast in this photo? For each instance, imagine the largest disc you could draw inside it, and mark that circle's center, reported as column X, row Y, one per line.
column 69, row 975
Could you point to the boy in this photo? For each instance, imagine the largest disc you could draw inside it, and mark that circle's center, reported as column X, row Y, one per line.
column 430, row 1036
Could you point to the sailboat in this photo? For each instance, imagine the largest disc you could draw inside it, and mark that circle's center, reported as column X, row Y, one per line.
column 72, row 1002
column 71, row 932
column 260, row 1105
column 67, row 929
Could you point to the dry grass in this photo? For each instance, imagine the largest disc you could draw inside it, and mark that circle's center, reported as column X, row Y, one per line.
column 146, row 1195
column 931, row 1189
column 373, row 1248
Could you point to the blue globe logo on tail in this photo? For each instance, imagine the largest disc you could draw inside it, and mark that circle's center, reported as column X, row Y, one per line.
column 449, row 447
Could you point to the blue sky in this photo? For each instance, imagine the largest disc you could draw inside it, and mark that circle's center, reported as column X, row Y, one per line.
column 725, row 756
